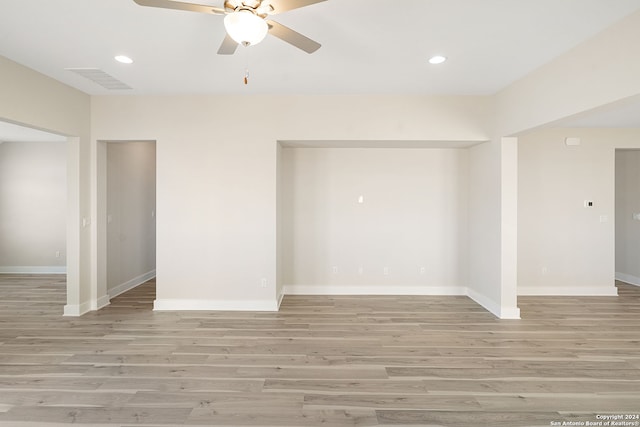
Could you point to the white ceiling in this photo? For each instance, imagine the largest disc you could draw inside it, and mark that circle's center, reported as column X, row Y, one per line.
column 368, row 46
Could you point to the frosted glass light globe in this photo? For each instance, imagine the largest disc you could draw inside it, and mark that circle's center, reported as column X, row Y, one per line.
column 245, row 27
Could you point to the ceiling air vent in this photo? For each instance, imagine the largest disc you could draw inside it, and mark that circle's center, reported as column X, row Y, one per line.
column 100, row 77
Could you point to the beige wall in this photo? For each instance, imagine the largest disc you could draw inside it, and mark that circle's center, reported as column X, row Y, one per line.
column 31, row 99
column 603, row 70
column 565, row 248
column 217, row 175
column 493, row 172
column 411, row 220
column 217, row 167
column 628, row 215
column 33, row 188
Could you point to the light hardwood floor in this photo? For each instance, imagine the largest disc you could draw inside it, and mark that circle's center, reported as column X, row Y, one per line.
column 320, row 361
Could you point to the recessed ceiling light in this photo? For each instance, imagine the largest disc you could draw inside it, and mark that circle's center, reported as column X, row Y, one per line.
column 437, row 59
column 124, row 59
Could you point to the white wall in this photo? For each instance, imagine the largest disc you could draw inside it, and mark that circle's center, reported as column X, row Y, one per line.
column 628, row 226
column 412, row 220
column 565, row 248
column 33, row 187
column 131, row 206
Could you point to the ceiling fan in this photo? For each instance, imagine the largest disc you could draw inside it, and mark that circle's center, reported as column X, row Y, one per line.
column 246, row 21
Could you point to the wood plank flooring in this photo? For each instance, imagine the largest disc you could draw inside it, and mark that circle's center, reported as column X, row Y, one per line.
column 320, row 361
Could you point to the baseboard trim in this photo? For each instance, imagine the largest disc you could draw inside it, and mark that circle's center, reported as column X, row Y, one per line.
column 491, row 306
column 593, row 291
column 628, row 278
column 102, row 302
column 266, row 305
column 130, row 284
column 512, row 313
column 214, row 305
column 76, row 310
column 280, row 298
column 52, row 269
column 373, row 290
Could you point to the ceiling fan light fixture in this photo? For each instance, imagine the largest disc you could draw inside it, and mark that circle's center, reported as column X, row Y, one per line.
column 245, row 27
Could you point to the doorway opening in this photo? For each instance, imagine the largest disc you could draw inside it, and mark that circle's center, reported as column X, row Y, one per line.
column 33, row 205
column 130, row 213
column 627, row 207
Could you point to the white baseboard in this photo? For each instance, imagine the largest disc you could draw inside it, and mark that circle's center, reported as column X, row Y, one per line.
column 52, row 269
column 214, row 305
column 102, row 302
column 373, row 290
column 130, row 284
column 75, row 310
column 509, row 313
column 628, row 278
column 280, row 298
column 496, row 309
column 600, row 291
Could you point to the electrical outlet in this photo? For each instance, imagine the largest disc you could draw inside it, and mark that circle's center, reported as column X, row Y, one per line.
column 423, row 270
column 263, row 283
column 334, row 269
column 385, row 271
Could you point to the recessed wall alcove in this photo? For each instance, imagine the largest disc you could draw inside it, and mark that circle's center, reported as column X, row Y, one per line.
column 373, row 217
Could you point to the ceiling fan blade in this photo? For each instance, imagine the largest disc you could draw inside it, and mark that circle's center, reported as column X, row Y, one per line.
column 292, row 37
column 280, row 6
column 228, row 46
column 178, row 5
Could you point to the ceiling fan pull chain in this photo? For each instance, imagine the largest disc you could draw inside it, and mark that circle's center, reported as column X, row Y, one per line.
column 246, row 67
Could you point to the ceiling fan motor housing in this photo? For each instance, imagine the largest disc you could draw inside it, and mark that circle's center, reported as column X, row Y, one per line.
column 250, row 5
